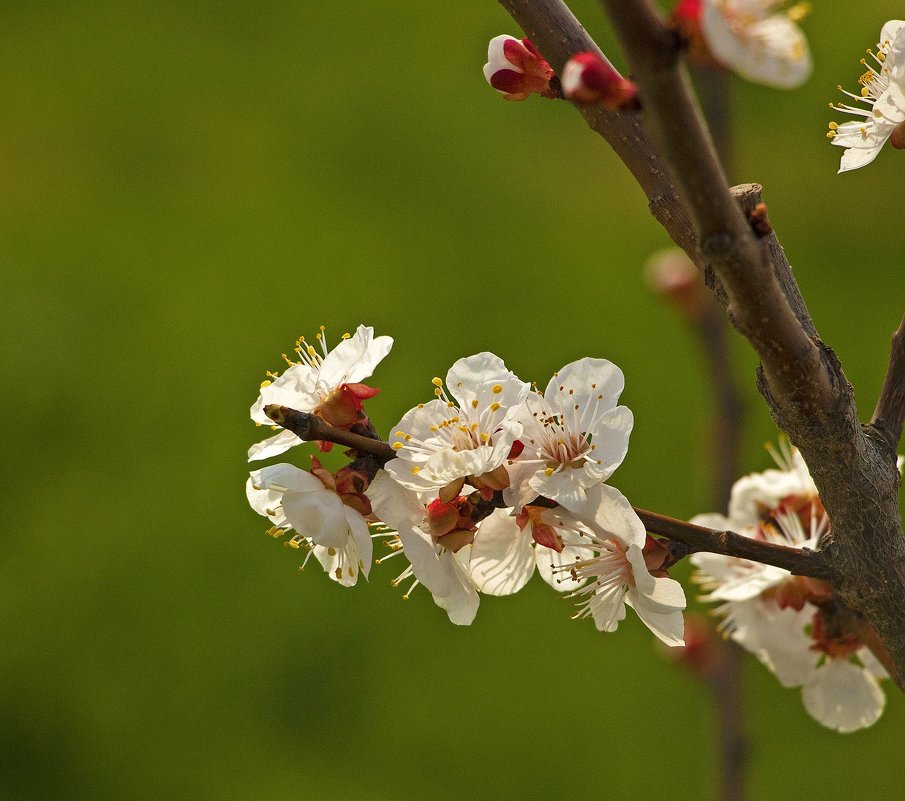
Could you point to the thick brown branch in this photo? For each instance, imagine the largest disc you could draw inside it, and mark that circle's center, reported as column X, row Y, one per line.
column 799, row 561
column 889, row 415
column 757, row 305
column 310, row 427
column 559, row 35
column 801, row 379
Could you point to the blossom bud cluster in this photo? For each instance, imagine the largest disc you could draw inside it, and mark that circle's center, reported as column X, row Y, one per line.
column 481, row 485
column 792, row 624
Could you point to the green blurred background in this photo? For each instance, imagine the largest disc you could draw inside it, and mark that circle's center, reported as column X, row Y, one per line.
column 185, row 189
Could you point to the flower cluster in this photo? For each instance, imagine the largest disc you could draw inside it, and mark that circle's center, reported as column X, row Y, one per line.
column 790, row 623
column 479, row 486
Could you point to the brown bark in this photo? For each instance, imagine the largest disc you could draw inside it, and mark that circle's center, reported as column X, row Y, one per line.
column 800, row 378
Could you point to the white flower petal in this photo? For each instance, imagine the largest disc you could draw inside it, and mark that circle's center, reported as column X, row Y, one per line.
column 353, row 359
column 776, row 637
column 764, row 48
column 608, row 608
column 586, row 378
column 843, row 696
column 661, row 612
column 361, row 537
column 318, row 515
column 295, row 388
column 608, row 513
column 502, row 559
column 273, row 446
column 392, row 503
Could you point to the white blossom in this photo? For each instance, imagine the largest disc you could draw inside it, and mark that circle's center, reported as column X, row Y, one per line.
column 882, row 98
column 611, row 559
column 778, row 617
column 574, row 435
column 297, row 501
column 492, row 560
column 468, row 432
column 758, row 39
column 326, row 383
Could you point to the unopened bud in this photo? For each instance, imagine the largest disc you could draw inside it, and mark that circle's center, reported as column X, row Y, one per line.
column 588, row 78
column 516, row 69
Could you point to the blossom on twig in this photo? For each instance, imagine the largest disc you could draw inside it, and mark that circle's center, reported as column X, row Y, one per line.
column 883, row 98
column 574, row 435
column 309, row 507
column 790, row 622
column 465, row 434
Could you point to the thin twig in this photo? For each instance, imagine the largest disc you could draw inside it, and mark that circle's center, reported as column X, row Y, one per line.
column 310, row 427
column 799, row 561
column 889, row 415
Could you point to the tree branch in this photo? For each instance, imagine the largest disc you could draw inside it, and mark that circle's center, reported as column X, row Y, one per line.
column 889, row 415
column 757, row 306
column 559, row 36
column 799, row 561
column 310, row 427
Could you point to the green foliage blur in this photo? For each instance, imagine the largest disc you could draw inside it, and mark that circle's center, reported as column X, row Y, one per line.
column 185, row 189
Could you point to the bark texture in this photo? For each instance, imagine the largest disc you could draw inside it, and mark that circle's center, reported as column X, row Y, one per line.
column 853, row 465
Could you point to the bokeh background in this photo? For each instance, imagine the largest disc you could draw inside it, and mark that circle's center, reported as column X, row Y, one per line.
column 185, row 189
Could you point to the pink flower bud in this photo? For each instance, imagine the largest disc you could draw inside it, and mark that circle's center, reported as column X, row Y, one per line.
column 516, row 69
column 588, row 78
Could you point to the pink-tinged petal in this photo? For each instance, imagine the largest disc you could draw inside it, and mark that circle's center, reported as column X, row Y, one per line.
column 508, row 81
column 588, row 78
column 496, row 53
column 843, row 696
column 273, row 446
column 502, row 559
column 518, row 55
